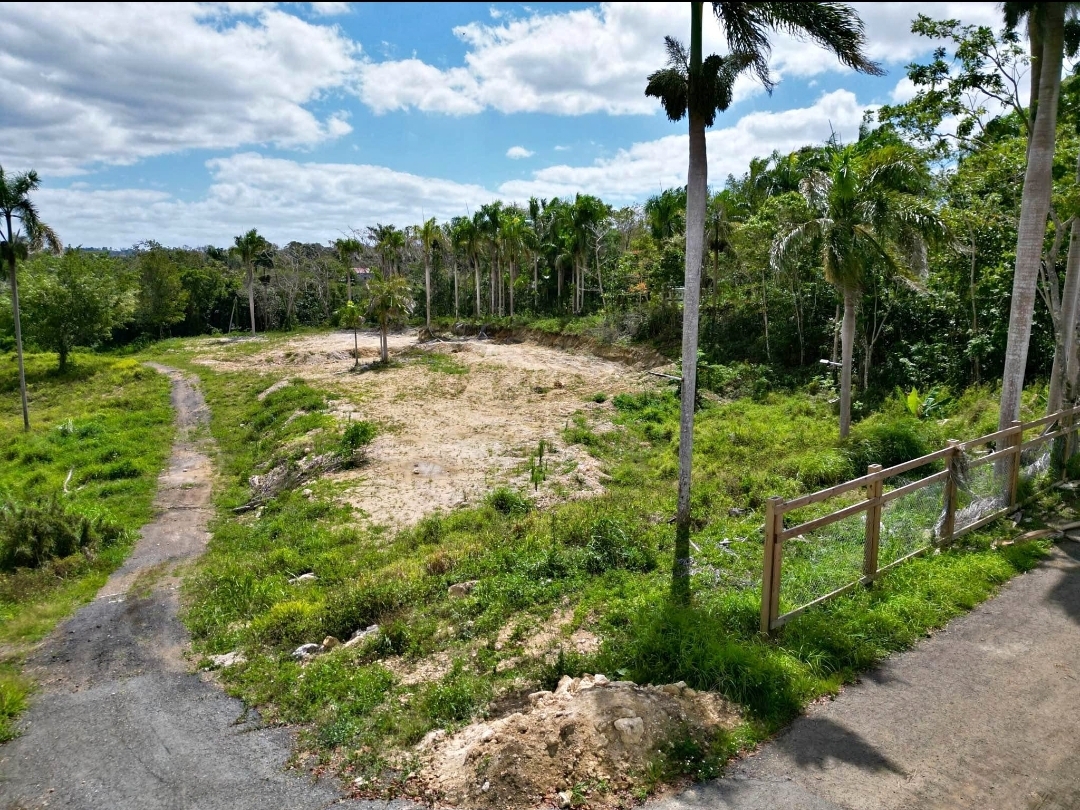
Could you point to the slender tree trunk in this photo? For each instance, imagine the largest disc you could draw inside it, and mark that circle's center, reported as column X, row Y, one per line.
column 974, row 303
column 491, row 278
column 355, row 348
column 427, row 291
column 512, row 274
column 384, row 353
column 765, row 314
column 1065, row 342
column 476, row 273
column 457, row 315
column 558, row 274
column 1033, row 213
column 835, row 336
column 12, row 275
column 348, row 279
column 536, row 282
column 696, row 191
column 847, row 343
column 251, row 297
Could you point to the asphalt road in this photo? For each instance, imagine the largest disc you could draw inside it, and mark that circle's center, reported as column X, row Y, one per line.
column 120, row 721
column 982, row 716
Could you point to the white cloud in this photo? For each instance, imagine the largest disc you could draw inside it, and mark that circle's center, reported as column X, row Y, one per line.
column 597, row 59
column 518, row 152
column 330, row 9
column 561, row 148
column 645, row 168
column 284, row 199
column 104, row 83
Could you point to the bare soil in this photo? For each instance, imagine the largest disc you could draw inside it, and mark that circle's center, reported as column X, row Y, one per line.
column 449, row 439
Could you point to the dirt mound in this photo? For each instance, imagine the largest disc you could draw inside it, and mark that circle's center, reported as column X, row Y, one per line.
column 589, row 732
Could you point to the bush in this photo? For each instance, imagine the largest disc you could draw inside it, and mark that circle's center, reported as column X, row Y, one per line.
column 33, row 534
column 509, row 502
column 357, row 435
column 610, row 547
column 885, row 440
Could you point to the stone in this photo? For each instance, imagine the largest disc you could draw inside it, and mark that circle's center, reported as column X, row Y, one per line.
column 484, row 788
column 487, row 735
column 303, row 579
column 671, row 689
column 565, row 799
column 306, row 651
column 230, row 659
column 600, row 680
column 631, row 729
column 329, row 643
column 461, row 589
column 307, row 493
column 536, row 697
column 360, row 636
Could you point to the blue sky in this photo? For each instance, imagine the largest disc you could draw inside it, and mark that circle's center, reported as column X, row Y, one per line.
column 189, row 123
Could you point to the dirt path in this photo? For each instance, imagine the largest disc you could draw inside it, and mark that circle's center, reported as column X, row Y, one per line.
column 120, row 721
column 982, row 716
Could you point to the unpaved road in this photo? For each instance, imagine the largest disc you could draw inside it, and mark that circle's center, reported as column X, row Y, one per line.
column 983, row 716
column 120, row 722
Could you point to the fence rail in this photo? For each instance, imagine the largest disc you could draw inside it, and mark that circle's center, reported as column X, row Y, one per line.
column 1009, row 444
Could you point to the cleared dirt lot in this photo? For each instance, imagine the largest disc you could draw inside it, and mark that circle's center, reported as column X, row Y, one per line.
column 454, row 427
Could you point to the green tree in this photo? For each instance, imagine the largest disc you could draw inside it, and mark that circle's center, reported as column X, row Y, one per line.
column 867, row 210
column 350, row 316
column 162, row 299
column 389, row 301
column 430, row 235
column 75, row 299
column 347, row 250
column 697, row 89
column 251, row 249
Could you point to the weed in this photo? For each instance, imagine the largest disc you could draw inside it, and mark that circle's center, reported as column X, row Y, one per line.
column 507, row 501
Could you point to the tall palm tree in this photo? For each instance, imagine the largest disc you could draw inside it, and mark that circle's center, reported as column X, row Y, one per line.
column 513, row 236
column 348, row 249
column 16, row 244
column 489, row 227
column 389, row 301
column 250, row 249
column 666, row 213
column 390, row 244
column 867, row 210
column 698, row 89
column 1046, row 27
column 430, row 236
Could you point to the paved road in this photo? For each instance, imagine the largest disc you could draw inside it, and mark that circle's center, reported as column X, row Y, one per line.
column 121, row 723
column 985, row 715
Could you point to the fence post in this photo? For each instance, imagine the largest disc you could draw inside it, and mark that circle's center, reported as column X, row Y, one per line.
column 1015, row 440
column 770, row 576
column 948, row 526
column 873, row 524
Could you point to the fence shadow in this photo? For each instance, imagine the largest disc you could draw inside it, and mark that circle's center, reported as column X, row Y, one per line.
column 816, row 743
column 1066, row 594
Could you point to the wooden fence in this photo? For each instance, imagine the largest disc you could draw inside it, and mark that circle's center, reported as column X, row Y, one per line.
column 1009, row 444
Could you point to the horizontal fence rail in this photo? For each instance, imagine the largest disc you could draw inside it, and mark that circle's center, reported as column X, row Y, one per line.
column 1060, row 428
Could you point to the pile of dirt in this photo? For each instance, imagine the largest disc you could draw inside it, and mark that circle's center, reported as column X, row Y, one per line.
column 589, row 732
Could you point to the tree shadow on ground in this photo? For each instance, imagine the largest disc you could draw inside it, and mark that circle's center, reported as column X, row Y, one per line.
column 1066, row 594
column 816, row 743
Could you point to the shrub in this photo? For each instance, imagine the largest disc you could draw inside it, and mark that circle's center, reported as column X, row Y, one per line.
column 35, row 533
column 610, row 547
column 885, row 440
column 509, row 502
column 287, row 624
column 357, row 435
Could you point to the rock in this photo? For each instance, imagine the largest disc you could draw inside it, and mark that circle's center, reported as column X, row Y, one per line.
column 329, row 643
column 306, row 651
column 600, row 680
column 631, row 729
column 487, row 735
column 461, row 589
column 484, row 788
column 360, row 636
column 536, row 697
column 671, row 689
column 230, row 659
column 308, row 493
column 564, row 797
column 303, row 579
column 432, row 738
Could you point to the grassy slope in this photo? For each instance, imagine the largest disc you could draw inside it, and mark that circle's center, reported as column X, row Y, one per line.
column 606, row 559
column 109, row 423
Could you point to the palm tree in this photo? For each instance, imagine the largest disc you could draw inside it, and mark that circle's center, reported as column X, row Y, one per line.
column 351, row 317
column 1046, row 27
column 866, row 210
column 430, row 235
column 390, row 300
column 666, row 213
column 390, row 243
column 15, row 204
column 698, row 89
column 513, row 235
column 347, row 250
column 489, row 227
column 250, row 249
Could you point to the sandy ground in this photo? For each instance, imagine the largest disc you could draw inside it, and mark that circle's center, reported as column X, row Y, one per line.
column 449, row 439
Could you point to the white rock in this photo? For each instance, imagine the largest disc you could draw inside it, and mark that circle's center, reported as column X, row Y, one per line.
column 565, row 799
column 631, row 729
column 303, row 578
column 229, row 659
column 306, row 651
column 600, row 680
column 565, row 684
column 487, row 735
column 308, row 493
column 486, row 786
column 329, row 643
column 360, row 636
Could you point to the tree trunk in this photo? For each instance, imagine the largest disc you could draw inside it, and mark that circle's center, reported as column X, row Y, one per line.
column 536, row 282
column 1033, row 212
column 974, row 304
column 512, row 274
column 427, row 291
column 1065, row 342
column 251, row 297
column 696, row 191
column 491, row 278
column 1035, row 44
column 18, row 324
column 847, row 343
column 355, row 348
column 457, row 316
column 835, row 336
column 476, row 273
column 384, row 354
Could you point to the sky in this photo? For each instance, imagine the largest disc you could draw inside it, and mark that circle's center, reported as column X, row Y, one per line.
column 190, row 123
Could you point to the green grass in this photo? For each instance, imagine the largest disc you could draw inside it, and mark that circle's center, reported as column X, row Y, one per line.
column 606, row 560
column 104, row 428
